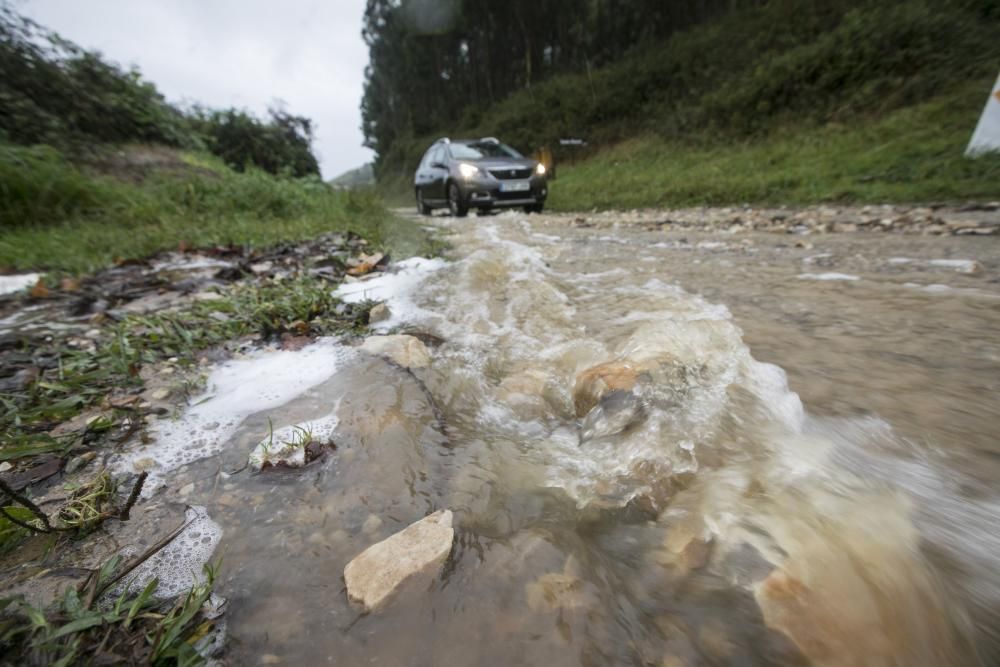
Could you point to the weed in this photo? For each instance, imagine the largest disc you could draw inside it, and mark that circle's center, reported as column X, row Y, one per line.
column 127, row 630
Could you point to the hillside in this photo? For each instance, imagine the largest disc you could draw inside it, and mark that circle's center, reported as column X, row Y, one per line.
column 363, row 176
column 793, row 101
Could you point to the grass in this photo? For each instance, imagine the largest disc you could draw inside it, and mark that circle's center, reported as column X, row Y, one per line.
column 84, row 377
column 54, row 216
column 911, row 155
column 131, row 630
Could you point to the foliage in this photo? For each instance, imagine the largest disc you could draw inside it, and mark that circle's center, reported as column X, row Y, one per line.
column 54, row 92
column 434, row 63
column 54, row 215
column 281, row 146
column 751, row 71
column 911, row 155
column 131, row 630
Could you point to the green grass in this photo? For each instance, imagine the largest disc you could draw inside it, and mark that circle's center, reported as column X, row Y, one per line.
column 131, row 630
column 911, row 155
column 54, row 216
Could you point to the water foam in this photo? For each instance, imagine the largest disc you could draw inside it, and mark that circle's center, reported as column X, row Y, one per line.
column 827, row 276
column 237, row 389
column 179, row 565
column 397, row 288
column 16, row 283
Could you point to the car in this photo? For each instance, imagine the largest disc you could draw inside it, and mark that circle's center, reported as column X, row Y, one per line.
column 482, row 173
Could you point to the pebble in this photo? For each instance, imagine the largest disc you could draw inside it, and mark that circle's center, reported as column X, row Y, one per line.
column 160, row 394
column 371, row 525
column 78, row 462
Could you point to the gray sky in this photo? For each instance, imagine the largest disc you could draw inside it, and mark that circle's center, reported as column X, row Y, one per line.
column 243, row 53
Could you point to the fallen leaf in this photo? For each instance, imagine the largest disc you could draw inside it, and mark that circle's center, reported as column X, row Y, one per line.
column 69, row 285
column 40, row 291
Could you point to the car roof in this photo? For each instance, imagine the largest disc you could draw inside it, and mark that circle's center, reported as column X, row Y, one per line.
column 481, row 140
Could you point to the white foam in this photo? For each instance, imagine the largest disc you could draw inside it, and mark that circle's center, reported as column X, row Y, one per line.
column 396, row 288
column 827, row 276
column 16, row 283
column 960, row 265
column 236, row 390
column 178, row 566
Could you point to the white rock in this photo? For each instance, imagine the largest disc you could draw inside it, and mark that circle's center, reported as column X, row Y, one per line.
column 379, row 313
column 380, row 570
column 406, row 351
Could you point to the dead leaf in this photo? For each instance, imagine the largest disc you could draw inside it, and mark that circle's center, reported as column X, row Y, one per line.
column 360, row 269
column 69, row 285
column 40, row 290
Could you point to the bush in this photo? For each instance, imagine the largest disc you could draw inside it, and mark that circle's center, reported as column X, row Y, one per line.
column 282, row 145
column 54, row 92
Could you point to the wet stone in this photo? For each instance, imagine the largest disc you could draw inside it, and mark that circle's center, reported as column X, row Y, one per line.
column 379, row 313
column 407, row 351
column 375, row 575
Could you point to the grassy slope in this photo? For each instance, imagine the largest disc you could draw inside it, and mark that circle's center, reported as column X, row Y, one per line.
column 795, row 101
column 55, row 216
column 911, row 155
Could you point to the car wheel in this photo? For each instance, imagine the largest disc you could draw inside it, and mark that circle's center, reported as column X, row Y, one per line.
column 422, row 208
column 458, row 208
column 534, row 208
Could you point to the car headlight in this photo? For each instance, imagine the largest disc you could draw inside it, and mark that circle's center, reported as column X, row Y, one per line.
column 540, row 169
column 468, row 171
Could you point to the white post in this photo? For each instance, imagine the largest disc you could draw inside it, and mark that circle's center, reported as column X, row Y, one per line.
column 986, row 138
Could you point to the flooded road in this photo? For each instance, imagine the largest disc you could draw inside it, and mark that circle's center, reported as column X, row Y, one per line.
column 660, row 448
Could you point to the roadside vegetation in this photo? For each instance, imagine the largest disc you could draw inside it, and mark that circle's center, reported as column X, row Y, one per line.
column 759, row 102
column 57, row 215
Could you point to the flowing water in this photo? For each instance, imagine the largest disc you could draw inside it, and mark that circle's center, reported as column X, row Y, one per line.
column 630, row 484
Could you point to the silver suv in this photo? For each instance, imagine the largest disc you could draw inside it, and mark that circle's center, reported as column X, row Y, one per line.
column 478, row 173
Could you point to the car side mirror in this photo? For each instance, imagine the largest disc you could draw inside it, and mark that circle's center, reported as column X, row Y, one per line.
column 438, row 165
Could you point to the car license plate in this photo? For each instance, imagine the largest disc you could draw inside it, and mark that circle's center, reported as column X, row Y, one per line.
column 515, row 186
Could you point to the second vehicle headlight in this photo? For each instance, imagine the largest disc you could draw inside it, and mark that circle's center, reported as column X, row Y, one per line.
column 468, row 171
column 540, row 169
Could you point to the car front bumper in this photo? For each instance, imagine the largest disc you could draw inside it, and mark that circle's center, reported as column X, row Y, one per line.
column 488, row 194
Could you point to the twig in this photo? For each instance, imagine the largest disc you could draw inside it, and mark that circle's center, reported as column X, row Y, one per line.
column 32, row 507
column 141, row 559
column 18, row 522
column 134, row 496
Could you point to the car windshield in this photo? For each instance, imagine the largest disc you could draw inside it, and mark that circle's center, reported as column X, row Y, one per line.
column 482, row 149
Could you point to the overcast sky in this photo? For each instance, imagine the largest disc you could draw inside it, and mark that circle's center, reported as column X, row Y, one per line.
column 243, row 53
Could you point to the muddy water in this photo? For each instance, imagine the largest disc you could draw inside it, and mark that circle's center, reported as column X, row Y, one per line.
column 703, row 513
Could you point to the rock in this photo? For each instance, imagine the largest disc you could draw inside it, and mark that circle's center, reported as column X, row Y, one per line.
column 420, row 549
column 78, row 462
column 407, row 351
column 160, row 394
column 379, row 313
column 594, row 382
column 5, row 466
column 371, row 525
column 617, row 411
column 556, row 590
column 293, row 446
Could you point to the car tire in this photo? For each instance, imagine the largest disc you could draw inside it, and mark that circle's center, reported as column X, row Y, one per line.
column 458, row 206
column 422, row 208
column 534, row 208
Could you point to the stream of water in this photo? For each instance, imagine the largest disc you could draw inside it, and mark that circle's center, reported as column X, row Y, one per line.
column 630, row 486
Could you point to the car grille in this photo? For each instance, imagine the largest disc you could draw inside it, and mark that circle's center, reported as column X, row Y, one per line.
column 510, row 174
